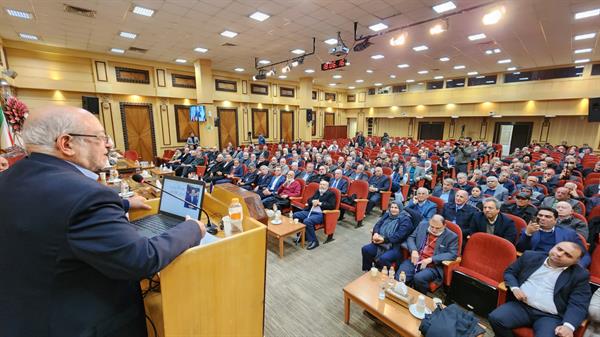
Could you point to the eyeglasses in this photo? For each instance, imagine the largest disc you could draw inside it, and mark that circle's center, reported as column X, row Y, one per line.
column 106, row 139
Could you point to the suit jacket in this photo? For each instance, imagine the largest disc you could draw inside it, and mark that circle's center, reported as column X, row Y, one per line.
column 500, row 193
column 327, row 200
column 591, row 190
column 446, row 246
column 551, row 184
column 550, row 201
column 462, row 217
column 75, row 262
column 504, row 227
column 382, row 183
column 437, row 192
column 274, row 186
column 527, row 242
column 419, row 173
column 341, row 184
column 428, row 209
column 405, row 227
column 292, row 190
column 263, row 181
column 526, row 213
column 361, row 176
column 571, row 291
column 249, row 178
column 305, row 176
column 465, row 187
column 316, row 178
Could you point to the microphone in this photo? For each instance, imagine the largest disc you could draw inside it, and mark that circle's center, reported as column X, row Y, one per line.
column 210, row 228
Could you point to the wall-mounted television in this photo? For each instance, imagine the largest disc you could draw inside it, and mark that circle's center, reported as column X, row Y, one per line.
column 198, row 113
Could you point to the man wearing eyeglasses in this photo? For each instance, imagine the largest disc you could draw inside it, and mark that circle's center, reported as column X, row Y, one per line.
column 75, row 262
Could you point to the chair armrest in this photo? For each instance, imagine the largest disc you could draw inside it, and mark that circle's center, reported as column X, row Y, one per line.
column 385, row 199
column 449, row 266
column 330, row 218
column 295, row 198
column 501, row 293
column 502, row 286
column 361, row 208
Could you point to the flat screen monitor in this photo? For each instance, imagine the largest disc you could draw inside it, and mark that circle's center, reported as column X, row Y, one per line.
column 198, row 113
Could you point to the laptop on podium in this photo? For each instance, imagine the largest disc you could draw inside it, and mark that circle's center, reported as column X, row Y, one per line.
column 172, row 211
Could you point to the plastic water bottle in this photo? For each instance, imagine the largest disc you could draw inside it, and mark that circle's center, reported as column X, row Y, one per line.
column 124, row 188
column 236, row 214
column 384, row 274
column 391, row 280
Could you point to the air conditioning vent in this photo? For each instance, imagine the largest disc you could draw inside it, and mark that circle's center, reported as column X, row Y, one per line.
column 227, row 44
column 138, row 50
column 80, row 11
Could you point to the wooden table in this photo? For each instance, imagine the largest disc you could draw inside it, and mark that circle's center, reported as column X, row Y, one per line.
column 285, row 229
column 157, row 172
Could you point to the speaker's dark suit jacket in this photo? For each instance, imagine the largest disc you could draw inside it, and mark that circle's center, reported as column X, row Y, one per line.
column 71, row 262
column 571, row 290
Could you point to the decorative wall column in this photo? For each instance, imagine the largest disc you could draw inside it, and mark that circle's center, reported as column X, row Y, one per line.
column 209, row 134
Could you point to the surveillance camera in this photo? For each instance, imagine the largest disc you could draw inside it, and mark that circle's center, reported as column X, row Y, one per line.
column 10, row 73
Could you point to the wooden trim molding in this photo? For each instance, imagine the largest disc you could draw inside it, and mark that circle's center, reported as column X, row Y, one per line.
column 351, row 98
column 101, row 73
column 287, row 92
column 244, row 87
column 131, row 75
column 183, row 81
column 161, row 78
column 164, row 116
column 225, row 85
column 259, row 89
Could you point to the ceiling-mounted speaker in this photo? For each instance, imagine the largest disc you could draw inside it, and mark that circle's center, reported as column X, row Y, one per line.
column 309, row 115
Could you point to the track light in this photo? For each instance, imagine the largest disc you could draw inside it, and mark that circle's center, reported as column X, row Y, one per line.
column 494, row 16
column 295, row 64
column 286, row 69
column 271, row 72
column 398, row 40
column 439, row 28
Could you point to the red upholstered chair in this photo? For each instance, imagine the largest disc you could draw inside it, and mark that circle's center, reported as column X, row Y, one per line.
column 528, row 332
column 595, row 268
column 484, row 260
column 580, row 217
column 361, row 189
column 520, row 224
column 167, row 155
column 131, row 155
column 386, row 195
column 302, row 187
column 200, row 170
column 594, row 213
column 456, row 229
column 438, row 202
column 387, row 171
column 330, row 217
column 309, row 191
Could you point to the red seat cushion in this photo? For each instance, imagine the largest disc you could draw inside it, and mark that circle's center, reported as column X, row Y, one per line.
column 348, row 207
column 523, row 332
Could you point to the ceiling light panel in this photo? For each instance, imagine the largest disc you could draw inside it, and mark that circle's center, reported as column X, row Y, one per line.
column 476, row 37
column 460, row 66
column 444, row 59
column 229, row 34
column 420, row 48
column 377, row 57
column 403, row 65
column 259, row 16
column 181, row 60
column 117, row 50
column 586, row 36
column 19, row 14
column 139, row 10
column 378, row 27
column 26, row 36
column 504, row 61
column 493, row 17
column 298, row 51
column 200, row 50
column 128, row 35
column 583, row 51
column 587, row 14
column 444, row 7
column 331, row 41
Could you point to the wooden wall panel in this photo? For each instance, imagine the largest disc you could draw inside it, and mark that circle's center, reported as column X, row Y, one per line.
column 138, row 129
column 228, row 127
column 183, row 124
column 260, row 122
column 287, row 126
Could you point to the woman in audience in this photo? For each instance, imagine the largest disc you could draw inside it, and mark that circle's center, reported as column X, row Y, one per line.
column 476, row 199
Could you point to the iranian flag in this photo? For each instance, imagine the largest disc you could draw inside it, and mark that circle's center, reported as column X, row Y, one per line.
column 6, row 140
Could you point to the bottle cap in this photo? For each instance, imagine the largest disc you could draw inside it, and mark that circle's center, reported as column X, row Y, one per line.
column 235, row 200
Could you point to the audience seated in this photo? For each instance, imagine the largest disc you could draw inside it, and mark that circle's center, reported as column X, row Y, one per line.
column 421, row 204
column 415, row 173
column 462, row 182
column 273, row 185
column 249, row 179
column 389, row 232
column 430, row 244
column 459, row 211
column 549, row 179
column 312, row 214
column 338, row 182
column 446, row 191
column 562, row 194
column 542, row 234
column 476, row 199
column 377, row 183
column 359, row 173
column 281, row 198
column 491, row 221
column 551, row 291
column 321, row 175
column 520, row 207
column 494, row 189
column 567, row 220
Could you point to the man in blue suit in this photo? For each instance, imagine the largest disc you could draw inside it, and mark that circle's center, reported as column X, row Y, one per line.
column 421, row 203
column 552, row 293
column 430, row 245
column 263, row 180
column 459, row 211
column 446, row 191
column 359, row 173
column 377, row 183
column 338, row 182
column 492, row 221
column 542, row 234
column 271, row 188
column 308, row 173
column 75, row 262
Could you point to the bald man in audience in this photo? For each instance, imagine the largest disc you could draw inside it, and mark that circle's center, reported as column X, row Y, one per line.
column 568, row 220
column 421, row 203
column 562, row 194
column 552, row 293
column 459, row 212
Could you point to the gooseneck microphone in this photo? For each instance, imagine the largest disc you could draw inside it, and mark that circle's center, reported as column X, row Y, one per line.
column 210, row 228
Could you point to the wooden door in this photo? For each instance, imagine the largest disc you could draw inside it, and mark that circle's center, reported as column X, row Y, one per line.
column 138, row 131
column 286, row 126
column 329, row 119
column 228, row 129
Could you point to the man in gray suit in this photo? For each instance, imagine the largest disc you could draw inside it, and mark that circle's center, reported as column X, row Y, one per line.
column 430, row 244
column 415, row 173
column 494, row 189
column 562, row 194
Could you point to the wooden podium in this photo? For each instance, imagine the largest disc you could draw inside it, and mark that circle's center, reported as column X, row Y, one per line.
column 216, row 289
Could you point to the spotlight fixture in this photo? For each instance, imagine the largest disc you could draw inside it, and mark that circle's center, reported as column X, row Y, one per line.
column 261, row 75
column 271, row 72
column 286, row 69
column 398, row 40
column 439, row 28
column 494, row 16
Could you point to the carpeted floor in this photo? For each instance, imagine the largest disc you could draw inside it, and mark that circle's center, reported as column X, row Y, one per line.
column 304, row 289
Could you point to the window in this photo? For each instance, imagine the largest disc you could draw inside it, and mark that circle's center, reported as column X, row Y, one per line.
column 543, row 74
column 399, row 88
column 482, row 80
column 371, row 91
column 455, row 83
column 435, row 85
column 596, row 69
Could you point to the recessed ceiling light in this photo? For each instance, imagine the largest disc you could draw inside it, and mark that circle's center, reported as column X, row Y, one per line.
column 359, row 81
column 19, row 14
column 585, row 36
column 403, row 65
column 587, row 14
column 309, row 71
column 444, row 7
column 438, row 29
column 497, row 50
column 259, row 16
column 337, row 76
column 480, row 76
column 26, row 36
column 492, row 51
column 117, row 50
column 420, row 48
column 201, row 50
column 229, row 34
column 298, row 51
column 128, row 35
column 423, row 72
column 582, row 51
column 410, row 81
column 282, row 77
column 377, row 57
column 511, row 68
column 444, row 59
column 460, row 66
column 347, row 63
column 504, row 61
column 264, row 62
column 493, row 17
column 438, row 77
column 181, row 60
column 392, row 76
column 472, row 73
column 331, row 41
column 351, row 87
column 332, row 84
column 378, row 84
column 476, row 37
column 143, row 11
column 378, row 27
column 582, row 61
column 369, row 71
column 239, row 70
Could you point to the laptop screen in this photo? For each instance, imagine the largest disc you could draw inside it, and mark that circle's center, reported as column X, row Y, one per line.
column 189, row 190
